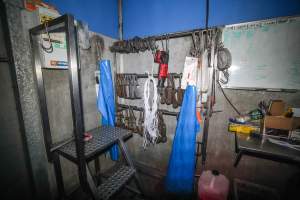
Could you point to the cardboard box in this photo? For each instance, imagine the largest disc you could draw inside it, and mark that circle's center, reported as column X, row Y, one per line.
column 281, row 122
column 277, row 107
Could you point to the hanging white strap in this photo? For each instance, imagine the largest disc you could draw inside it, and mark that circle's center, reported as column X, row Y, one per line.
column 150, row 104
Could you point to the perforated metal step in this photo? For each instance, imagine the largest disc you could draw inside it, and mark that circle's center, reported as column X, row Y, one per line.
column 103, row 137
column 114, row 183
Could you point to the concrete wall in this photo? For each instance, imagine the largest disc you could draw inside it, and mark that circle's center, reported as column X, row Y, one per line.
column 220, row 150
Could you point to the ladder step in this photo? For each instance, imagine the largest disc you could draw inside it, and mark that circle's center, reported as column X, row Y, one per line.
column 114, row 183
column 103, row 138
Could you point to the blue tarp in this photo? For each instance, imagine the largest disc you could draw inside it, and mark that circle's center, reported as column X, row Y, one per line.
column 106, row 100
column 181, row 169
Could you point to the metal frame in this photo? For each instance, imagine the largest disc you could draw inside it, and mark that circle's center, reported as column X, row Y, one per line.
column 179, row 34
column 63, row 23
column 164, row 112
column 130, row 162
column 120, row 19
column 175, row 75
column 261, row 89
column 4, row 59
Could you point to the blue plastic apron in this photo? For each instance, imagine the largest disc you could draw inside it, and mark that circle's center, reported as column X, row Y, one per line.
column 106, row 100
column 181, row 169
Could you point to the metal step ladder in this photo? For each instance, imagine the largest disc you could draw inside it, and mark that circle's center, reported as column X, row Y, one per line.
column 76, row 149
column 103, row 138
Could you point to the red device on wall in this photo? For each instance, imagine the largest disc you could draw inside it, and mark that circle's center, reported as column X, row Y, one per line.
column 162, row 57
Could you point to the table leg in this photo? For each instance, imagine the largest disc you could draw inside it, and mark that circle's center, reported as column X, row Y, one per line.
column 97, row 170
column 59, row 177
column 237, row 159
column 235, row 143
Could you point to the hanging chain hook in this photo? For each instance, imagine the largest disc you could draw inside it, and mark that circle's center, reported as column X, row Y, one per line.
column 50, row 48
column 167, row 43
column 162, row 43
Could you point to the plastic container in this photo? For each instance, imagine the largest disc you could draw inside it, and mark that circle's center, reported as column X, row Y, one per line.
column 213, row 186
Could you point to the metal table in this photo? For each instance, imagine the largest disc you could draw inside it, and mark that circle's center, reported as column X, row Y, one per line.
column 256, row 147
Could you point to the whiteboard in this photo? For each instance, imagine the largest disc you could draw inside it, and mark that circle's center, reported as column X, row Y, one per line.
column 265, row 54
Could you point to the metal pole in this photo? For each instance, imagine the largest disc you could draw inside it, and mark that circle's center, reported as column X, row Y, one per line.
column 41, row 93
column 120, row 17
column 165, row 112
column 209, row 100
column 75, row 98
column 3, row 59
column 175, row 75
column 207, row 15
column 178, row 34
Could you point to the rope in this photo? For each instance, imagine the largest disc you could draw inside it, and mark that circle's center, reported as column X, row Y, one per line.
column 150, row 104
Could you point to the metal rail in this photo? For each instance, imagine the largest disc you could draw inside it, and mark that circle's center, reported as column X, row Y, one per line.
column 165, row 112
column 179, row 34
column 3, row 59
column 209, row 103
column 175, row 75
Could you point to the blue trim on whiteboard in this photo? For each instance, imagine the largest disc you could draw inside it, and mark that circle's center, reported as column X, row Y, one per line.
column 261, row 89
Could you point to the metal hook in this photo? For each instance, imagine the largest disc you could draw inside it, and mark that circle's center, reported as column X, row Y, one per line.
column 167, row 43
column 162, row 43
column 50, row 48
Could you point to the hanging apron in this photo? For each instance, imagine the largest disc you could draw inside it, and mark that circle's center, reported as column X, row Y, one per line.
column 181, row 169
column 106, row 100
